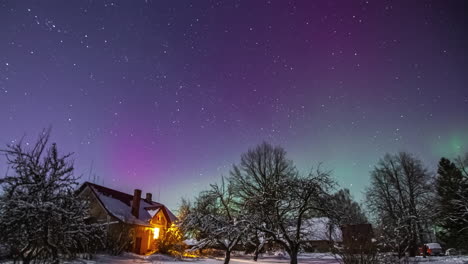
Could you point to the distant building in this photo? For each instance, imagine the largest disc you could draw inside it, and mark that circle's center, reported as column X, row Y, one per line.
column 358, row 237
column 133, row 223
column 321, row 234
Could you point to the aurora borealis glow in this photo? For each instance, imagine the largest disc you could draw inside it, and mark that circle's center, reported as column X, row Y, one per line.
column 166, row 95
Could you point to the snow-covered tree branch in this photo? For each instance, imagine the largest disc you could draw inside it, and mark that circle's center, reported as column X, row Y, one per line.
column 216, row 220
column 40, row 217
column 278, row 199
column 399, row 197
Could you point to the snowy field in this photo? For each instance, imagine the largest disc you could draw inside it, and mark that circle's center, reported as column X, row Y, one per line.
column 314, row 258
column 304, row 258
column 160, row 259
column 442, row 260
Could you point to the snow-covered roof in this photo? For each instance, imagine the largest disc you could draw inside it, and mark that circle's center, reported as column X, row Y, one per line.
column 318, row 228
column 433, row 245
column 119, row 205
column 153, row 212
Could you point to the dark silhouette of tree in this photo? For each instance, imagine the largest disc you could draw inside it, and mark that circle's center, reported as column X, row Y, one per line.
column 451, row 217
column 277, row 198
column 40, row 216
column 400, row 199
column 216, row 220
column 347, row 210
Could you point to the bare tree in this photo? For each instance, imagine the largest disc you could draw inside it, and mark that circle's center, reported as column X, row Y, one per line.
column 216, row 220
column 255, row 240
column 456, row 199
column 278, row 198
column 462, row 200
column 40, row 216
column 450, row 184
column 399, row 197
column 347, row 211
column 462, row 164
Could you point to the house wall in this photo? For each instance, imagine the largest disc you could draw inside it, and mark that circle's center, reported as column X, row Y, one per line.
column 118, row 234
column 159, row 220
column 97, row 212
column 144, row 236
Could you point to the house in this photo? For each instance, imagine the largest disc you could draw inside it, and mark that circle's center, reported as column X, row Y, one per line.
column 132, row 223
column 320, row 234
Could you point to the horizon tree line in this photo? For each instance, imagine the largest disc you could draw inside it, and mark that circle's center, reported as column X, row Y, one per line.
column 265, row 199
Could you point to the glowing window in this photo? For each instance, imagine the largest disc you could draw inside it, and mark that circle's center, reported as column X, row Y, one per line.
column 156, row 233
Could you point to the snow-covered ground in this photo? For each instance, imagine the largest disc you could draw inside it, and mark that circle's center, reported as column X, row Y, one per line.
column 159, row 259
column 312, row 258
column 442, row 260
column 316, row 258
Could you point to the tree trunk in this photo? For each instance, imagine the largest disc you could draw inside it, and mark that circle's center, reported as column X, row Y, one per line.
column 400, row 252
column 412, row 249
column 413, row 245
column 55, row 259
column 258, row 249
column 26, row 258
column 293, row 256
column 256, row 253
column 227, row 258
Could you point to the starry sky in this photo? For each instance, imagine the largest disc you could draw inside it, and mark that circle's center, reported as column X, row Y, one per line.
column 166, row 95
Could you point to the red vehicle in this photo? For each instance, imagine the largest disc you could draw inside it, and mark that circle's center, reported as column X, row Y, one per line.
column 432, row 249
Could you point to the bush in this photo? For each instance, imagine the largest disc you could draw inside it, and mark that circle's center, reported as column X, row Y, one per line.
column 172, row 242
column 120, row 241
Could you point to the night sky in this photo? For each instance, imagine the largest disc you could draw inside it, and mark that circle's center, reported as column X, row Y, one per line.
column 166, row 95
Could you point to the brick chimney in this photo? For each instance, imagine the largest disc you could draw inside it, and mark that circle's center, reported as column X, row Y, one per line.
column 148, row 197
column 136, row 203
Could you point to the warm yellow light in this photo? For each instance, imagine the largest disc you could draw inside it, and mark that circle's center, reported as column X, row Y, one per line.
column 156, row 232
